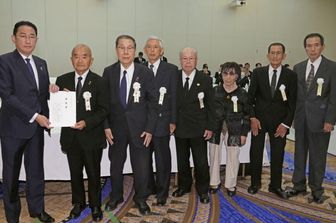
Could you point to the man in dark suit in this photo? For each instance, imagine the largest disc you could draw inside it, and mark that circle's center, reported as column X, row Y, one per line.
column 24, row 90
column 140, row 59
column 83, row 143
column 273, row 96
column 165, row 81
column 194, row 126
column 314, row 118
column 131, row 121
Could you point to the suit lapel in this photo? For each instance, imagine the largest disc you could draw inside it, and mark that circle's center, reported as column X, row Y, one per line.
column 319, row 74
column 159, row 73
column 282, row 80
column 72, row 83
column 87, row 83
column 116, row 80
column 267, row 83
column 41, row 71
column 321, row 70
column 23, row 67
column 301, row 74
column 135, row 78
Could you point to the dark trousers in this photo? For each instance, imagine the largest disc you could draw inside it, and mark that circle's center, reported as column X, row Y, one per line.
column 316, row 144
column 160, row 147
column 256, row 158
column 78, row 158
column 198, row 147
column 139, row 155
column 12, row 151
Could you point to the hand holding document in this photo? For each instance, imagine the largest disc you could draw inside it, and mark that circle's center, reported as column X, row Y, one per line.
column 62, row 107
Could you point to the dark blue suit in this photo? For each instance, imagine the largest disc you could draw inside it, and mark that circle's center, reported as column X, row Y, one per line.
column 166, row 76
column 21, row 99
column 127, row 125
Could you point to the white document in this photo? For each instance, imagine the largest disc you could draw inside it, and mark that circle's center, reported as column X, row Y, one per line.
column 62, row 107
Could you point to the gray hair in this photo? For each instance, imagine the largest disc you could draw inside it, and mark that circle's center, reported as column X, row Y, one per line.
column 155, row 38
column 193, row 51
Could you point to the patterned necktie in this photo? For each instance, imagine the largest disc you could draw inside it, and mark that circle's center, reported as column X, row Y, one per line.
column 310, row 77
column 123, row 90
column 79, row 86
column 273, row 82
column 151, row 67
column 186, row 85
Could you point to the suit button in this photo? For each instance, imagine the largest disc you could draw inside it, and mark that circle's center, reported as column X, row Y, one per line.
column 160, row 115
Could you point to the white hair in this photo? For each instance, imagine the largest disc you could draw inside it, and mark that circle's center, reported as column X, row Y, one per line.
column 155, row 38
column 192, row 50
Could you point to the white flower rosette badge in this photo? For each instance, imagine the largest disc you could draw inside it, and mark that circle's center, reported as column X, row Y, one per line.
column 200, row 98
column 136, row 94
column 162, row 92
column 320, row 82
column 87, row 95
column 234, row 99
column 283, row 92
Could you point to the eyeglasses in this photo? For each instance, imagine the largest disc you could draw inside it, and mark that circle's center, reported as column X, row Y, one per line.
column 228, row 73
column 277, row 53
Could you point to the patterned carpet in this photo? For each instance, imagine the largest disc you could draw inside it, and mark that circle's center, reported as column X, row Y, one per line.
column 262, row 207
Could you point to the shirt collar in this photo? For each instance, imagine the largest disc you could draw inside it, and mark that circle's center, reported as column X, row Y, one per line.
column 316, row 63
column 83, row 75
column 24, row 57
column 156, row 65
column 191, row 76
column 271, row 69
column 129, row 70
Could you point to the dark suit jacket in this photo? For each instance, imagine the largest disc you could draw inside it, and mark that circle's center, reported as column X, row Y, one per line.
column 317, row 109
column 92, row 136
column 192, row 121
column 137, row 117
column 20, row 97
column 166, row 76
column 272, row 111
column 140, row 60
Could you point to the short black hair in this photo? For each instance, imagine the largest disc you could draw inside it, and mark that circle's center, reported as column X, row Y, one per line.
column 124, row 37
column 311, row 35
column 231, row 66
column 23, row 23
column 276, row 44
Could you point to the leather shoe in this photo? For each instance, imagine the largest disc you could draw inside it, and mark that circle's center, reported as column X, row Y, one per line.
column 204, row 198
column 76, row 210
column 151, row 191
column 44, row 217
column 97, row 213
column 161, row 201
column 112, row 204
column 318, row 199
column 214, row 190
column 253, row 189
column 143, row 207
column 180, row 192
column 279, row 192
column 292, row 192
column 231, row 193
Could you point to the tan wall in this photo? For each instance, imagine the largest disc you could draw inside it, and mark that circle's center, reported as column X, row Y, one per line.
column 220, row 33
